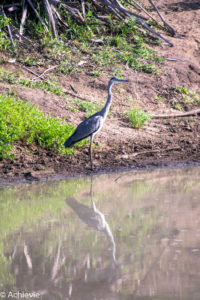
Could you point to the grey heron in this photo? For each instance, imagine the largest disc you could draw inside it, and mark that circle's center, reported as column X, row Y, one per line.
column 90, row 126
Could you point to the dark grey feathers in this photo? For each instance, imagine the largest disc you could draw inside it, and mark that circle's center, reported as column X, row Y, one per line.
column 84, row 129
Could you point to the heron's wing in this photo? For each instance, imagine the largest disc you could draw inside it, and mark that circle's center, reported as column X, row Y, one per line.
column 85, row 129
column 88, row 127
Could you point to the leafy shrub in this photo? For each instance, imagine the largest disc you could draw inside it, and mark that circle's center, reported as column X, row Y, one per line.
column 137, row 117
column 20, row 120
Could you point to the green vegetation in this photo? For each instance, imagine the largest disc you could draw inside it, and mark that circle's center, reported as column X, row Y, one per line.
column 51, row 86
column 99, row 44
column 159, row 98
column 188, row 96
column 5, row 43
column 137, row 117
column 85, row 106
column 181, row 90
column 184, row 99
column 21, row 121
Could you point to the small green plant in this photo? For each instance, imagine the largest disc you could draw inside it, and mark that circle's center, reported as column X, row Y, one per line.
column 159, row 98
column 51, row 86
column 187, row 96
column 181, row 90
column 137, row 117
column 177, row 106
column 30, row 61
column 95, row 73
column 20, row 120
column 118, row 72
column 85, row 106
column 129, row 99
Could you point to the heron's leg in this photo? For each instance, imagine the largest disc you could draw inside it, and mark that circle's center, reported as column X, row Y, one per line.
column 91, row 194
column 91, row 162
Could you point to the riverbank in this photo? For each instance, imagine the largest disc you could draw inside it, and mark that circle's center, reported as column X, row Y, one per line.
column 174, row 88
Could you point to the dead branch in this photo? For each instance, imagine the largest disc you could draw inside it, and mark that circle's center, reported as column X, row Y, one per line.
column 134, row 4
column 41, row 75
column 21, row 38
column 24, row 16
column 73, row 11
column 78, row 12
column 51, row 17
column 83, row 7
column 127, row 12
column 159, row 36
column 167, row 26
column 139, row 7
column 113, row 9
column 148, row 151
column 180, row 115
column 37, row 14
column 9, row 30
column 32, row 72
column 58, row 16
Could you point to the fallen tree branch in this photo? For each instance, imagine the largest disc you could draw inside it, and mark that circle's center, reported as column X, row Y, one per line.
column 78, row 11
column 139, row 7
column 23, row 19
column 167, row 26
column 37, row 14
column 51, row 17
column 159, row 36
column 121, row 12
column 59, row 17
column 83, row 7
column 126, row 156
column 73, row 11
column 180, row 115
column 47, row 70
column 32, row 72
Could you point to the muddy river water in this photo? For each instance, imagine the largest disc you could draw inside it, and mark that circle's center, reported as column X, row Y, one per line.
column 130, row 235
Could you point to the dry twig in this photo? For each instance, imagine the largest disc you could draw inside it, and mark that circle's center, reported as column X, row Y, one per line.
column 41, row 75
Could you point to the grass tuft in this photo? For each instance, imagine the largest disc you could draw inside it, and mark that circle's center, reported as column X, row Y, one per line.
column 137, row 117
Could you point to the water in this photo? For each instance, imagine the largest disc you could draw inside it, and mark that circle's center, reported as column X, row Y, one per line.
column 133, row 235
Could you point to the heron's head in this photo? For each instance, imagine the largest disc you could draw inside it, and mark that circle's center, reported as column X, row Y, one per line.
column 117, row 80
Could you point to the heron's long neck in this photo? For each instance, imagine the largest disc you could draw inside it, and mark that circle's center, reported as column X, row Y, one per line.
column 108, row 102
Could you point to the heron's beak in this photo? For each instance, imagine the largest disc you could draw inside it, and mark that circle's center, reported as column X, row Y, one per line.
column 125, row 80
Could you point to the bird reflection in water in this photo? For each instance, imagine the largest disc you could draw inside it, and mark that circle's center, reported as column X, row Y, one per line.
column 93, row 218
